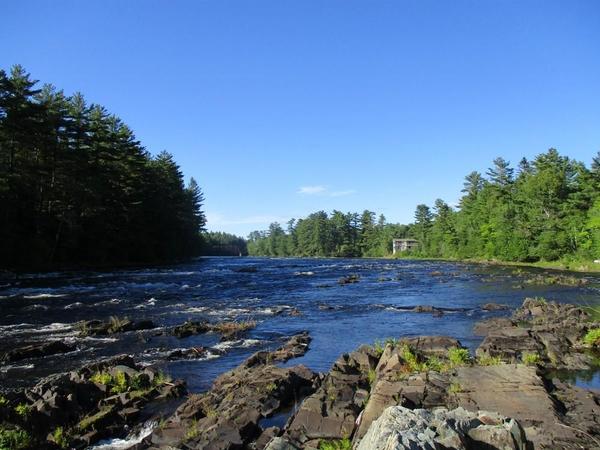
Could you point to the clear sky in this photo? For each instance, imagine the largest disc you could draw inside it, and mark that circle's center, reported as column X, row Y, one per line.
column 279, row 108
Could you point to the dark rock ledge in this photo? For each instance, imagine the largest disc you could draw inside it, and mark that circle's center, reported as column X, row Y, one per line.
column 76, row 409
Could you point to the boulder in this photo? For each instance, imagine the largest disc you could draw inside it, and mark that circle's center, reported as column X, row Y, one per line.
column 190, row 328
column 331, row 412
column 402, row 428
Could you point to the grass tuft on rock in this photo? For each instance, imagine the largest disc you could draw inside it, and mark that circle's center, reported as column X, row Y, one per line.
column 371, row 376
column 89, row 421
column 487, row 360
column 459, row 356
column 336, row 444
column 530, row 358
column 101, row 378
column 59, row 437
column 23, row 409
column 592, row 337
column 455, row 388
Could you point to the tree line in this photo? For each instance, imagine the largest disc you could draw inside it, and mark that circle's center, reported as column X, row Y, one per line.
column 77, row 187
column 321, row 234
column 218, row 243
column 542, row 210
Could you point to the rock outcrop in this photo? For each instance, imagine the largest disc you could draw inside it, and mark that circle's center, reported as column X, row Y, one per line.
column 400, row 428
column 229, row 415
column 548, row 332
column 97, row 401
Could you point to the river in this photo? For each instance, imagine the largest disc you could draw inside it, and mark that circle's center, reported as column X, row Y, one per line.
column 339, row 317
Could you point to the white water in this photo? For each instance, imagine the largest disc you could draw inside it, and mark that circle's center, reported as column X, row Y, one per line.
column 129, row 441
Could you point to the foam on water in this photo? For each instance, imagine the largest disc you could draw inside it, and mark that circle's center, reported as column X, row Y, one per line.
column 43, row 295
column 241, row 343
column 9, row 367
column 73, row 305
column 129, row 441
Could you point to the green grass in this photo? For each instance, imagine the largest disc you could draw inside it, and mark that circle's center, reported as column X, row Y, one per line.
column 459, row 356
column 119, row 383
column 435, row 364
column 488, row 360
column 455, row 388
column 14, row 439
column 101, row 378
column 139, row 382
column 3, row 401
column 593, row 311
column 530, row 358
column 371, row 376
column 23, row 409
column 271, row 387
column 193, row 431
column 89, row 421
column 161, row 378
column 336, row 444
column 379, row 346
column 592, row 337
column 410, row 358
column 59, row 438
column 117, row 324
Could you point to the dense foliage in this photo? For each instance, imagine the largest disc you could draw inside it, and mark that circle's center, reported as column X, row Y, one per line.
column 548, row 210
column 217, row 243
column 321, row 234
column 77, row 187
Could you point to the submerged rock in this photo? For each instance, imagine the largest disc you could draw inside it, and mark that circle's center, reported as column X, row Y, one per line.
column 38, row 350
column 401, row 428
column 349, row 279
column 114, row 325
column 494, row 307
column 229, row 330
column 190, row 328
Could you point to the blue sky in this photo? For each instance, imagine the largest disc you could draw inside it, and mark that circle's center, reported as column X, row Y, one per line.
column 279, row 108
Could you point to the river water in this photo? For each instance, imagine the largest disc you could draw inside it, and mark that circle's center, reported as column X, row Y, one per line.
column 43, row 307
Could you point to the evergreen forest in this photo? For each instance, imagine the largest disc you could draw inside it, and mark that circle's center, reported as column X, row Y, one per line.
column 546, row 209
column 77, row 188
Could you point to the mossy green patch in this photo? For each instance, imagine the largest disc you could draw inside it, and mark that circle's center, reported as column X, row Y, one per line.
column 336, row 444
column 14, row 439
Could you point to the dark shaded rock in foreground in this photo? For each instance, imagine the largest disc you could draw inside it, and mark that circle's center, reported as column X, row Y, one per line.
column 100, row 400
column 228, row 416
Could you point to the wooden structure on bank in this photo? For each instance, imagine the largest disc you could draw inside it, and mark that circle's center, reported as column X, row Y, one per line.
column 404, row 245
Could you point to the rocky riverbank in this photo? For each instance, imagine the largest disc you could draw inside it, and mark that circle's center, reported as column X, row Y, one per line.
column 423, row 392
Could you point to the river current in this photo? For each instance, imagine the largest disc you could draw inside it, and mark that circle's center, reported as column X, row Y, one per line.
column 284, row 297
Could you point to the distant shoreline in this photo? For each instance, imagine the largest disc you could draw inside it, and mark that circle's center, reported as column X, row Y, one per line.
column 577, row 266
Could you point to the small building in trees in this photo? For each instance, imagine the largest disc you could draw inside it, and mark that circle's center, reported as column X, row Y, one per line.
column 403, row 245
